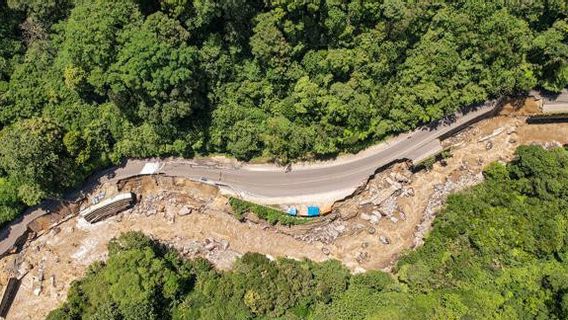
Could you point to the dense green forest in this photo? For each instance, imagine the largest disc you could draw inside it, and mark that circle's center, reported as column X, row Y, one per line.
column 86, row 83
column 497, row 251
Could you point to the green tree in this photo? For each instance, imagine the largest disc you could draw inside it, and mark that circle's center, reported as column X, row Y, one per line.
column 10, row 44
column 33, row 155
column 42, row 13
column 90, row 41
column 156, row 70
column 10, row 203
column 551, row 51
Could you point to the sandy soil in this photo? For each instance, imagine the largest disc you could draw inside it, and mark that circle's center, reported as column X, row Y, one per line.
column 65, row 253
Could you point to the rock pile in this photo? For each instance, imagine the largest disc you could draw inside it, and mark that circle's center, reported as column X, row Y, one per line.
column 549, row 144
column 214, row 250
column 380, row 200
column 328, row 233
column 168, row 204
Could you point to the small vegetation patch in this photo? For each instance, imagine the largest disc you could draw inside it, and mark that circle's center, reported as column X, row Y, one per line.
column 428, row 163
column 273, row 216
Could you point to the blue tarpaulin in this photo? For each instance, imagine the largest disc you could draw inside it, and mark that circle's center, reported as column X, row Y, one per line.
column 292, row 211
column 313, row 211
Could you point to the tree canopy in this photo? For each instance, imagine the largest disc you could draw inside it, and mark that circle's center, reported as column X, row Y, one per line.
column 33, row 155
column 277, row 80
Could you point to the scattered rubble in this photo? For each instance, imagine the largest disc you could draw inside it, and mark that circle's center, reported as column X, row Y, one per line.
column 215, row 251
column 362, row 257
column 549, row 144
column 328, row 233
column 441, row 191
column 407, row 192
column 388, row 207
column 169, row 204
column 380, row 199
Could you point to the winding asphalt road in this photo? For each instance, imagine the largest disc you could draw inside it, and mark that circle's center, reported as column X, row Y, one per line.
column 270, row 184
column 329, row 182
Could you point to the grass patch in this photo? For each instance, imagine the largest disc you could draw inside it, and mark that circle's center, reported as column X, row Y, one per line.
column 273, row 216
column 428, row 163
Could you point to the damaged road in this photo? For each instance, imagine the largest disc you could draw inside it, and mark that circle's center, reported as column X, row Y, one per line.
column 367, row 231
